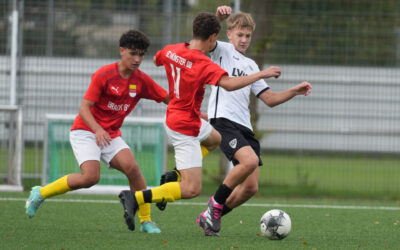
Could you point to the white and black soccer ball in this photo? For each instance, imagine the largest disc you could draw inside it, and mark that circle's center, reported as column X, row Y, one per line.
column 275, row 224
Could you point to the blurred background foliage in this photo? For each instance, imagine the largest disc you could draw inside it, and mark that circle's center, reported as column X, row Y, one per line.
column 335, row 32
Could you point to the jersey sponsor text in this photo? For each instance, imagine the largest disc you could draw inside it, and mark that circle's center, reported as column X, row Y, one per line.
column 118, row 107
column 180, row 60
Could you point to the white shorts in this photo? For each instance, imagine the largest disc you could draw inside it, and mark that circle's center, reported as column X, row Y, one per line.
column 187, row 148
column 84, row 145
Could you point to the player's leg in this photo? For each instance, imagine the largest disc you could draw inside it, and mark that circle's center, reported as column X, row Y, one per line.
column 87, row 154
column 207, row 145
column 125, row 162
column 212, row 215
column 243, row 192
column 120, row 157
column 189, row 187
column 248, row 163
column 188, row 162
column 89, row 176
column 249, row 186
column 210, row 142
column 234, row 143
column 209, row 138
column 169, row 176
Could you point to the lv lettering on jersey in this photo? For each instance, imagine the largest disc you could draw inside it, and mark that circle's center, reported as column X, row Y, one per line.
column 238, row 72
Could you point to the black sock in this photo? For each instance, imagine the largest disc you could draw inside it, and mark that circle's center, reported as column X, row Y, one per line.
column 222, row 194
column 147, row 195
column 226, row 210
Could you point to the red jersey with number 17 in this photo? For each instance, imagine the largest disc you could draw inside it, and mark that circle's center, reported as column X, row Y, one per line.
column 115, row 97
column 187, row 71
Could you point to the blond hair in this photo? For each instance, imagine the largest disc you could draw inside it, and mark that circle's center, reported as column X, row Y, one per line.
column 240, row 20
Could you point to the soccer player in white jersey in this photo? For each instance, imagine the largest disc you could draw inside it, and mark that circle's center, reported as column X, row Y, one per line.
column 229, row 114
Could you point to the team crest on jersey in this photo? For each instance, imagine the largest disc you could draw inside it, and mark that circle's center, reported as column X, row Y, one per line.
column 233, row 143
column 132, row 90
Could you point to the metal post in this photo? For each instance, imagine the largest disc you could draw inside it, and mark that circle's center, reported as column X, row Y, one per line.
column 50, row 28
column 19, row 147
column 167, row 29
column 13, row 55
column 236, row 6
column 178, row 21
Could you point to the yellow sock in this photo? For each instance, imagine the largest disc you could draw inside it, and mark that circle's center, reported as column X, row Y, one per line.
column 178, row 174
column 169, row 192
column 204, row 151
column 144, row 212
column 58, row 186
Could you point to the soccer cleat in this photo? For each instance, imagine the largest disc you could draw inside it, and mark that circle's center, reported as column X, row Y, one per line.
column 210, row 219
column 34, row 201
column 202, row 222
column 128, row 200
column 149, row 227
column 169, row 176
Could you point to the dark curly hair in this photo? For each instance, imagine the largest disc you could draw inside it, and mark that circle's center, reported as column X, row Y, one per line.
column 204, row 25
column 134, row 39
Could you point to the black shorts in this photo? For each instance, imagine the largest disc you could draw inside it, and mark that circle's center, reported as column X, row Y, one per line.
column 234, row 137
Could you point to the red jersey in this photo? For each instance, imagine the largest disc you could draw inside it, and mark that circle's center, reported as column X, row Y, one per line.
column 187, row 71
column 115, row 97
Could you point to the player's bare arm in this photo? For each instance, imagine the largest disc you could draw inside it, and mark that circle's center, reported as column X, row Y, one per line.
column 223, row 12
column 234, row 83
column 272, row 99
column 102, row 137
column 204, row 116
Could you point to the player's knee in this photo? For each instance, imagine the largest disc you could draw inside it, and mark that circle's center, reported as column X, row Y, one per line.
column 91, row 180
column 132, row 170
column 251, row 163
column 191, row 191
column 213, row 141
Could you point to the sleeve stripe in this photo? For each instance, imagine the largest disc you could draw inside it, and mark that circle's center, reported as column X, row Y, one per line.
column 259, row 93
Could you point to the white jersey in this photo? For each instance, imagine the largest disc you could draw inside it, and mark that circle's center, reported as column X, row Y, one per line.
column 233, row 105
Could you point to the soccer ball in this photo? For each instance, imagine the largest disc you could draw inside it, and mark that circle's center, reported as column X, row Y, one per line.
column 275, row 224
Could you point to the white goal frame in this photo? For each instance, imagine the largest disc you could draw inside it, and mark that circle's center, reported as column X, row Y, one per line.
column 16, row 142
column 99, row 189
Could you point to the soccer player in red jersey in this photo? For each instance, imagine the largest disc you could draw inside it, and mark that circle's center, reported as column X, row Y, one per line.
column 188, row 71
column 113, row 93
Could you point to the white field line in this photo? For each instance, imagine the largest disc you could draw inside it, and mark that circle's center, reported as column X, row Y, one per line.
column 182, row 203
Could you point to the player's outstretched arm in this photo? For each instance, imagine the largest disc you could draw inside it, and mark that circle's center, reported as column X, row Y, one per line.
column 273, row 99
column 223, row 12
column 234, row 83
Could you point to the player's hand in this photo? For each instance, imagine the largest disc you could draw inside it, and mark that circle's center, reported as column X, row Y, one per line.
column 272, row 71
column 303, row 88
column 204, row 116
column 223, row 12
column 102, row 138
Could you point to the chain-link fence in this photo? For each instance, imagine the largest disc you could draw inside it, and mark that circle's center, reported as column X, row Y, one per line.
column 348, row 50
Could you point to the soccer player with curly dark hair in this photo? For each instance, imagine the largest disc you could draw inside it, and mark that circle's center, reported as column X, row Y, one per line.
column 95, row 135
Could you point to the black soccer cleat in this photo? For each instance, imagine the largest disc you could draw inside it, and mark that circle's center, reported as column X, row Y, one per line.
column 128, row 200
column 169, row 176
